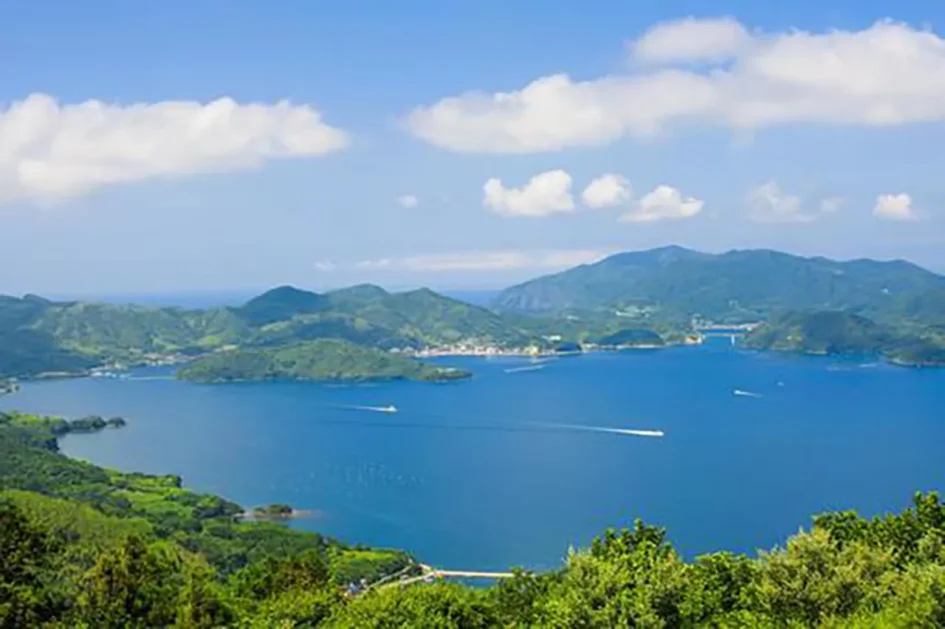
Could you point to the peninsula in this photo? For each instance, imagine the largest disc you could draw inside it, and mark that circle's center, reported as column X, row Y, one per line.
column 842, row 333
column 323, row 359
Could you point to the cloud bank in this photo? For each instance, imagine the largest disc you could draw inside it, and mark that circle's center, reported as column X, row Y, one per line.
column 51, row 151
column 486, row 260
column 886, row 75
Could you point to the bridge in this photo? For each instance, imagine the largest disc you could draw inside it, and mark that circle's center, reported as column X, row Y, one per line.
column 428, row 573
column 732, row 331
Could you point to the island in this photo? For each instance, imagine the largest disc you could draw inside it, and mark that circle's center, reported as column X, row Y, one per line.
column 631, row 338
column 842, row 333
column 276, row 512
column 322, row 359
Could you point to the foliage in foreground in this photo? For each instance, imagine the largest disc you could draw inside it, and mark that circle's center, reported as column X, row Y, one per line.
column 78, row 547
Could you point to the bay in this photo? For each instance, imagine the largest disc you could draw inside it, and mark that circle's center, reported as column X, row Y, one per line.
column 511, row 467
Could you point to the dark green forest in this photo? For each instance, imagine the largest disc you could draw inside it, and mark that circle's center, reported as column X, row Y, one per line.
column 325, row 359
column 83, row 546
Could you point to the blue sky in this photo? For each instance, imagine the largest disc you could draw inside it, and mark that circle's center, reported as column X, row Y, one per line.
column 811, row 127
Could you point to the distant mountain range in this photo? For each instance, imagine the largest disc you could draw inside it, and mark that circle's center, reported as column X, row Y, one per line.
column 38, row 335
column 749, row 285
column 637, row 298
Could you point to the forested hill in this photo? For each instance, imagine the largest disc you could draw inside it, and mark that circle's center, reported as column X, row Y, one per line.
column 325, row 359
column 737, row 286
column 37, row 335
column 828, row 333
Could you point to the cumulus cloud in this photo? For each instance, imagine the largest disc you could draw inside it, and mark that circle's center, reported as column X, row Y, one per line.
column 768, row 203
column 408, row 201
column 663, row 203
column 691, row 40
column 886, row 75
column 51, row 151
column 894, row 207
column 544, row 194
column 607, row 191
column 487, row 260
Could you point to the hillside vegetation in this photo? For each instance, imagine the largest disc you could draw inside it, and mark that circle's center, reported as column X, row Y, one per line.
column 38, row 335
column 82, row 546
column 326, row 359
column 655, row 292
column 85, row 546
column 828, row 333
column 735, row 286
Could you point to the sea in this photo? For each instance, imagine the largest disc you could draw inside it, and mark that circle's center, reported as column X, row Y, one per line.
column 528, row 459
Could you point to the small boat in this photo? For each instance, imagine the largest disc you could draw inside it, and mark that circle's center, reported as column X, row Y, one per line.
column 388, row 409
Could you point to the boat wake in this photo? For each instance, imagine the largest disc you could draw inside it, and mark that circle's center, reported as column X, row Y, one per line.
column 526, row 368
column 373, row 409
column 632, row 432
column 742, row 393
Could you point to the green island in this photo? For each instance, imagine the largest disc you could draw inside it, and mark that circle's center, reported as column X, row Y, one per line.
column 275, row 511
column 83, row 546
column 325, row 359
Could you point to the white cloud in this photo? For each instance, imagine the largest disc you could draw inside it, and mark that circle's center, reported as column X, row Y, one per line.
column 886, row 75
column 894, row 207
column 607, row 191
column 325, row 266
column 408, row 201
column 487, row 260
column 50, row 152
column 830, row 205
column 544, row 194
column 663, row 203
column 692, row 40
column 768, row 203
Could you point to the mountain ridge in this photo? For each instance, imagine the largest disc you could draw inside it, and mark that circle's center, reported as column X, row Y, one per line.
column 740, row 284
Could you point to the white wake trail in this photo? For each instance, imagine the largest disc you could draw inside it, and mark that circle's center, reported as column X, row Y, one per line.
column 633, row 432
column 742, row 393
column 526, row 368
column 373, row 409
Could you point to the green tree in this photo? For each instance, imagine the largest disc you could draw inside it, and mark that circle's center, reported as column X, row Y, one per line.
column 26, row 554
column 132, row 585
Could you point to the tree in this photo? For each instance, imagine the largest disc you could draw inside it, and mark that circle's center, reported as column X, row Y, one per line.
column 26, row 554
column 133, row 585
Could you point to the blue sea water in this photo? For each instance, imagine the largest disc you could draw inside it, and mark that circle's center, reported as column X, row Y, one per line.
column 483, row 475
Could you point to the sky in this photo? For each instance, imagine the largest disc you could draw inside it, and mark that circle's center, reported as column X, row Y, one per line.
column 237, row 145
